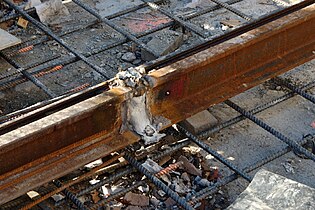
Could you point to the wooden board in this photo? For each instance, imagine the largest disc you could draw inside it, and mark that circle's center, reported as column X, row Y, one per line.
column 7, row 39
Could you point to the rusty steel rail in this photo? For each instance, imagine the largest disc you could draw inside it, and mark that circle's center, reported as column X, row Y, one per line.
column 65, row 140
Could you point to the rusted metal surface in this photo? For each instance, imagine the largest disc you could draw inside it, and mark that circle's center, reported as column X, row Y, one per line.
column 62, row 142
column 53, row 146
column 218, row 73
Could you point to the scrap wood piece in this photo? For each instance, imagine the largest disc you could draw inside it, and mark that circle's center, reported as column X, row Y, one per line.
column 7, row 40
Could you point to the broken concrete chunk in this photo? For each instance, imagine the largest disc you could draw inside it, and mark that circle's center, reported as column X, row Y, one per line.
column 136, row 199
column 137, row 113
column 199, row 122
column 152, row 166
column 161, row 193
column 169, row 203
column 94, row 181
column 271, row 191
column 179, row 186
column 288, row 167
column 52, row 12
column 57, row 197
column 189, row 167
column 106, row 192
column 163, row 43
column 155, row 202
column 144, row 189
column 202, row 182
column 129, row 57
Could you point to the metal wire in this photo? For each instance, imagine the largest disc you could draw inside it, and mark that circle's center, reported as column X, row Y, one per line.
column 71, row 196
column 271, row 130
column 119, row 194
column 29, row 76
column 295, row 89
column 179, row 200
column 116, row 27
column 182, row 22
column 235, row 11
column 29, row 66
column 256, row 110
column 66, row 61
column 272, row 156
column 129, row 170
column 56, row 38
column 76, row 28
column 116, row 195
column 214, row 153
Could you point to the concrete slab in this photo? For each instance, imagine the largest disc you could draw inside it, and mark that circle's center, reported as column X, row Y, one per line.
column 7, row 40
column 271, row 191
column 199, row 122
column 163, row 43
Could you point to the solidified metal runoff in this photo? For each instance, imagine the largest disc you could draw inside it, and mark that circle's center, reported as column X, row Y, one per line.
column 57, row 144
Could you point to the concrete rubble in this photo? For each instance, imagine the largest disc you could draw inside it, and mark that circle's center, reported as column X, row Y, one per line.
column 52, row 12
column 199, row 122
column 163, row 44
column 136, row 199
column 269, row 191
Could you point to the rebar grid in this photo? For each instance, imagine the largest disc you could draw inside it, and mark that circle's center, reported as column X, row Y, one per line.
column 249, row 115
column 66, row 61
column 34, row 70
column 297, row 145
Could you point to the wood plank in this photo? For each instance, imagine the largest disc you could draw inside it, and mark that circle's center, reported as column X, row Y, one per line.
column 7, row 39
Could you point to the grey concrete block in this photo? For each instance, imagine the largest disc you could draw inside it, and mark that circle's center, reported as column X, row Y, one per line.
column 199, row 122
column 271, row 191
column 163, row 43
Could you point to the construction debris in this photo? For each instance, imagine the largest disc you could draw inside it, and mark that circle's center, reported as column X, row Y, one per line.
column 163, row 43
column 52, row 12
column 189, row 167
column 129, row 57
column 136, row 199
column 199, row 122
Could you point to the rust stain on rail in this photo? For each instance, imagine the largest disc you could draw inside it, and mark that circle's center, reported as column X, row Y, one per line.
column 218, row 73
